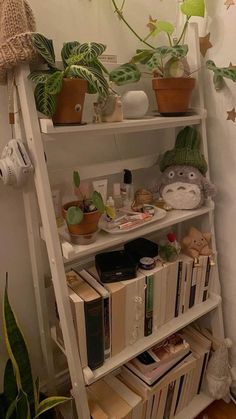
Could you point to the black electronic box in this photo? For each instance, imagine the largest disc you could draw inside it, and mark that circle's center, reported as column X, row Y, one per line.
column 115, row 266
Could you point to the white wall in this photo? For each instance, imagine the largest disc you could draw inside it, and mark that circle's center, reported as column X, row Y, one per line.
column 61, row 20
column 222, row 147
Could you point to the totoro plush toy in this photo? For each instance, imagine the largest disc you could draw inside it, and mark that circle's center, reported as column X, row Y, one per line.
column 183, row 184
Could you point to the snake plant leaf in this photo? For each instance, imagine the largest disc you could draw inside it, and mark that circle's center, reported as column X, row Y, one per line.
column 94, row 78
column 91, row 50
column 45, row 102
column 126, row 73
column 193, row 8
column 11, row 410
column 162, row 26
column 10, row 386
column 18, row 352
column 50, row 403
column 2, row 406
column 40, row 76
column 76, row 178
column 22, row 408
column 68, row 50
column 36, row 394
column 98, row 201
column 54, row 82
column 44, row 47
column 74, row 215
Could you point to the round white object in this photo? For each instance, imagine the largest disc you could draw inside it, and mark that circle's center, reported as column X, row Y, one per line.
column 135, row 104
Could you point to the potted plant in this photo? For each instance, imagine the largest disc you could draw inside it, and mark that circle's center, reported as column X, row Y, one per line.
column 172, row 81
column 21, row 397
column 60, row 93
column 82, row 216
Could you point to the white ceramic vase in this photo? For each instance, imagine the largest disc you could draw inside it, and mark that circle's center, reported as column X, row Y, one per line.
column 135, row 104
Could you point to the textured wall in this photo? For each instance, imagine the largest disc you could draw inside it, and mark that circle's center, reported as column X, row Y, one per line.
column 222, row 148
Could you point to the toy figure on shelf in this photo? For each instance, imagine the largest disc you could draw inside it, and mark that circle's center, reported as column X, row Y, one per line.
column 183, row 184
column 109, row 109
column 169, row 249
column 196, row 243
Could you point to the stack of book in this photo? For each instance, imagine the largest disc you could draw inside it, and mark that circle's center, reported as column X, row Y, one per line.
column 111, row 316
column 179, row 365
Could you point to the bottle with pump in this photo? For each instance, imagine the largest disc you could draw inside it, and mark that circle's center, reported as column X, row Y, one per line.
column 127, row 189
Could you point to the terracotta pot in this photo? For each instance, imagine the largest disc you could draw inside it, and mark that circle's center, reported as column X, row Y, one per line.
column 173, row 95
column 70, row 102
column 88, row 225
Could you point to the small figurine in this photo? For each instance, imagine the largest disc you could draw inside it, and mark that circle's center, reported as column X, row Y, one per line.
column 196, row 243
column 183, row 184
column 110, row 108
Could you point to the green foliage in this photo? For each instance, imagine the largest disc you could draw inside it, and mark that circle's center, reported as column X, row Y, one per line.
column 74, row 215
column 221, row 73
column 155, row 58
column 98, row 201
column 76, row 179
column 126, row 73
column 80, row 61
column 193, row 8
column 20, row 399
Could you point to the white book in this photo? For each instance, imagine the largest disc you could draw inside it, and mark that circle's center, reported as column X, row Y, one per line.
column 163, row 294
column 156, row 402
column 126, row 394
column 161, row 407
column 201, row 278
column 172, row 276
column 106, row 307
column 77, row 307
column 134, row 308
column 172, row 411
column 188, row 266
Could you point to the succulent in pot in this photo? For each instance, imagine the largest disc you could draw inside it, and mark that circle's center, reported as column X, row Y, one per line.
column 82, row 216
column 60, row 93
column 172, row 81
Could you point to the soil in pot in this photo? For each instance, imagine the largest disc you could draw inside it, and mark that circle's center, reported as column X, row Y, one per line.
column 173, row 95
column 85, row 232
column 70, row 102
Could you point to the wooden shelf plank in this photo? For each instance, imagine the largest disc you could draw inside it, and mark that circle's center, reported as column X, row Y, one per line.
column 105, row 240
column 147, row 123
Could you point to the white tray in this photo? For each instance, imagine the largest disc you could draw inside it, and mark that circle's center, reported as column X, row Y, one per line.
column 103, row 224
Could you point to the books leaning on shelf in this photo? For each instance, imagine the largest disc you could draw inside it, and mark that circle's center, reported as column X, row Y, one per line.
column 174, row 387
column 111, row 316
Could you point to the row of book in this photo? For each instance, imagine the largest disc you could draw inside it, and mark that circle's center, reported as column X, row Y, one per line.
column 111, row 316
column 178, row 364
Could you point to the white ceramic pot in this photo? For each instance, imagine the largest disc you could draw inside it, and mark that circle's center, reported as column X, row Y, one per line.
column 135, row 104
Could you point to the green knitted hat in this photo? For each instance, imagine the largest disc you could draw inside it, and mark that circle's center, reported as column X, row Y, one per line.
column 186, row 152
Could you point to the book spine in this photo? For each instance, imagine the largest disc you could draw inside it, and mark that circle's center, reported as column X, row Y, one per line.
column 148, row 319
column 94, row 332
column 107, row 327
column 193, row 287
column 179, row 287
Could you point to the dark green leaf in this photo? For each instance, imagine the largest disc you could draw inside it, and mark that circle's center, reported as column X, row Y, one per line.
column 74, row 215
column 44, row 46
column 126, row 73
column 142, row 56
column 91, row 50
column 76, row 178
column 3, row 406
column 36, row 394
column 40, row 76
column 45, row 102
column 98, row 201
column 54, row 82
column 76, row 59
column 221, row 73
column 94, row 78
column 18, row 352
column 10, row 385
column 11, row 409
column 22, row 408
column 68, row 50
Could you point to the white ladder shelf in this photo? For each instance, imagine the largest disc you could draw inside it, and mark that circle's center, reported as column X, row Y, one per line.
column 60, row 253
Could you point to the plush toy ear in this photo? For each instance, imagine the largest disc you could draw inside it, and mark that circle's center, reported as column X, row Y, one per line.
column 208, row 188
column 207, row 236
column 186, row 241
